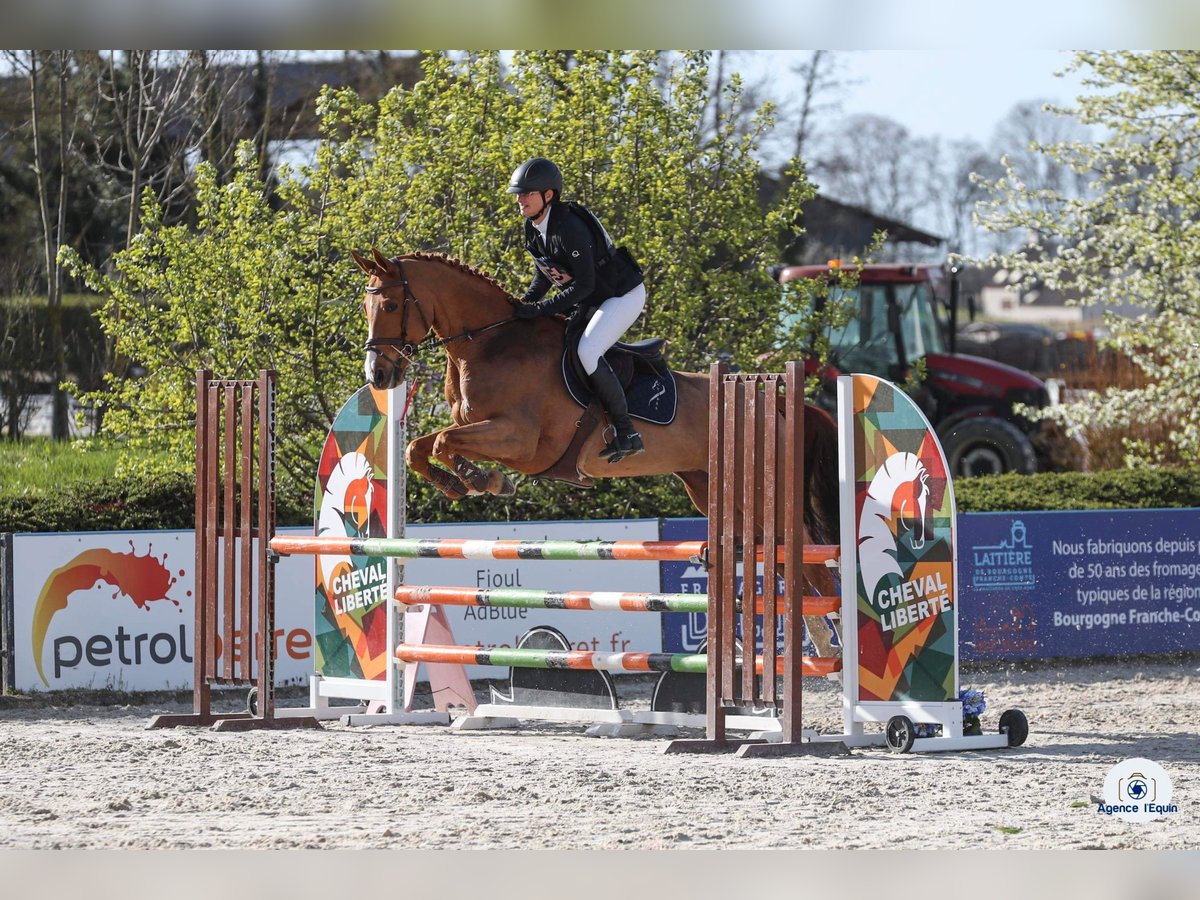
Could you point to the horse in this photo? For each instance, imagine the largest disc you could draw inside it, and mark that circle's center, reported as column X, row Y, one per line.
column 507, row 397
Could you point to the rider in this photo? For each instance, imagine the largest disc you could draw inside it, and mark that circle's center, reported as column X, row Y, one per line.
column 596, row 281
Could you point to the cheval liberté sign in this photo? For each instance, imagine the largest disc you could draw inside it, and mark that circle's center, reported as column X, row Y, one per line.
column 904, row 531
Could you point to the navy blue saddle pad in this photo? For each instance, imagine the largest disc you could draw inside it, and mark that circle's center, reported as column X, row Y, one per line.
column 652, row 397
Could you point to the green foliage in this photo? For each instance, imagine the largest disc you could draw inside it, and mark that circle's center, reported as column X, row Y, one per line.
column 1142, row 488
column 36, row 463
column 88, row 503
column 262, row 278
column 159, row 501
column 642, row 498
column 108, row 504
column 48, row 486
column 1130, row 240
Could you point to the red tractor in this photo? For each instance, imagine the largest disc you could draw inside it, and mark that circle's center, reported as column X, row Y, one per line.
column 969, row 400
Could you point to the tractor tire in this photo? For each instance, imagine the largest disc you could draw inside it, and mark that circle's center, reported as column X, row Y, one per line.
column 986, row 445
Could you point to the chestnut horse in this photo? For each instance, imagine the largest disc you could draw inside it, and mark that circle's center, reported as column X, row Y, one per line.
column 508, row 401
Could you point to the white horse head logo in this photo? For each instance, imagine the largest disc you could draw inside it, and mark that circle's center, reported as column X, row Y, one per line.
column 345, row 507
column 898, row 494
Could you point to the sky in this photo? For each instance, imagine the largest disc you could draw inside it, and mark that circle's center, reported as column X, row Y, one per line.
column 954, row 93
column 948, row 93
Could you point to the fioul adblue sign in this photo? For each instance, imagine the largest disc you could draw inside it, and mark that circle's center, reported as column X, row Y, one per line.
column 1100, row 583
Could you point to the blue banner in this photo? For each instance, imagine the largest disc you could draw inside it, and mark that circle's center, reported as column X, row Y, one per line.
column 684, row 632
column 1100, row 583
column 1036, row 585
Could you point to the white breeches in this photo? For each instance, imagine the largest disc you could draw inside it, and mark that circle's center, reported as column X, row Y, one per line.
column 610, row 320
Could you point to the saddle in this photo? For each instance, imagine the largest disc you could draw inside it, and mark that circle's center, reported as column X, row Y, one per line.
column 650, row 392
column 648, row 382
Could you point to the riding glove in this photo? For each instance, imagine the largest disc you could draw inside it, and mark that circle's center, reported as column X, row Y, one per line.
column 527, row 310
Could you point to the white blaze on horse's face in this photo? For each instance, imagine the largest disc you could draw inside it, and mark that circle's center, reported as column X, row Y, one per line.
column 371, row 368
column 383, row 370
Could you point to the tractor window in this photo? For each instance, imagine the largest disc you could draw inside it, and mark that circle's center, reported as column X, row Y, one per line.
column 866, row 344
column 918, row 321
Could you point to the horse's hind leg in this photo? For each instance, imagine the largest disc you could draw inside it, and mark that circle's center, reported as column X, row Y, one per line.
column 696, row 485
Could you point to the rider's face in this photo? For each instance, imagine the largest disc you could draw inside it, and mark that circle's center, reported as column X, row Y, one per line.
column 531, row 204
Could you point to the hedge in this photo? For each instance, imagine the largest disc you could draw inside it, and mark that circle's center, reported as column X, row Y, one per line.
column 1112, row 489
column 168, row 501
column 157, row 502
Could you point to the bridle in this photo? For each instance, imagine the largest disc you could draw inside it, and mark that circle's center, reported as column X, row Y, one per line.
column 406, row 349
column 409, row 350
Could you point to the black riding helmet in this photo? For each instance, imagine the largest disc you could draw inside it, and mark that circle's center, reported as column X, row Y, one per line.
column 536, row 174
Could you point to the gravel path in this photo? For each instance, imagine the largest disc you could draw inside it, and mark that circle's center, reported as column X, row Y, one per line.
column 94, row 777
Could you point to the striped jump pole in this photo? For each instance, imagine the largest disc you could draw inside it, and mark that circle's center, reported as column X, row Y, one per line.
column 610, row 601
column 522, row 658
column 572, row 551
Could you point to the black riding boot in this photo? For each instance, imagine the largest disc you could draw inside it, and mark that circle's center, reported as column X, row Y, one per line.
column 626, row 441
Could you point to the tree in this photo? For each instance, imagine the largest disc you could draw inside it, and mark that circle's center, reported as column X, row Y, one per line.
column 21, row 357
column 874, row 162
column 262, row 278
column 1017, row 143
column 965, row 165
column 820, row 83
column 53, row 119
column 1131, row 239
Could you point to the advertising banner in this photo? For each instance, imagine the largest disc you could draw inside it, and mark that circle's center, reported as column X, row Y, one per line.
column 115, row 610
column 1096, row 583
column 904, row 531
column 352, row 501
column 684, row 632
column 494, row 626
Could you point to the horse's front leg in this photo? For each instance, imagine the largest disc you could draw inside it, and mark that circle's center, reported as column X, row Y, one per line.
column 418, row 455
column 490, row 439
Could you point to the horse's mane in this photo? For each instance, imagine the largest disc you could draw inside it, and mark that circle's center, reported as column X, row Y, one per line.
column 461, row 266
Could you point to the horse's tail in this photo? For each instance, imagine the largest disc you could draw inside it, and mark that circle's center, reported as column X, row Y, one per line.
column 822, row 512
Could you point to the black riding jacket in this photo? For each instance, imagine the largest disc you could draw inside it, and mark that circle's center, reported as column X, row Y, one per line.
column 586, row 274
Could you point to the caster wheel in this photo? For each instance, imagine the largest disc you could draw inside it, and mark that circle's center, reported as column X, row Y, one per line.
column 1015, row 725
column 899, row 734
column 252, row 701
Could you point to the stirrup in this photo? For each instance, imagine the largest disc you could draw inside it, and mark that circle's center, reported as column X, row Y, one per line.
column 622, row 445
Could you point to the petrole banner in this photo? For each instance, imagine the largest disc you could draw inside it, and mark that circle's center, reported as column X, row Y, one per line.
column 114, row 610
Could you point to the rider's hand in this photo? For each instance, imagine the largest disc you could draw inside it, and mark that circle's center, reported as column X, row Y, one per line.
column 526, row 311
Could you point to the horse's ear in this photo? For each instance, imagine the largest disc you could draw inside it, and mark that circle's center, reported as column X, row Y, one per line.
column 363, row 263
column 382, row 261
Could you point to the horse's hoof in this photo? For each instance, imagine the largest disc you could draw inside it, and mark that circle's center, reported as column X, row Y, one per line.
column 505, row 488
